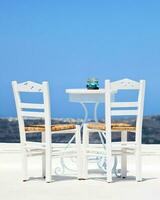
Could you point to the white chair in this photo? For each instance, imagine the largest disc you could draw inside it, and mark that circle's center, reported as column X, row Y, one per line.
column 113, row 108
column 45, row 147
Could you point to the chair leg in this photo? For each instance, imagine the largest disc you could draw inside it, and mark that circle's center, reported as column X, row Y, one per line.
column 43, row 158
column 123, row 164
column 24, row 164
column 85, row 158
column 123, row 156
column 138, row 165
column 109, row 167
column 108, row 158
column 79, row 154
column 48, row 164
column 43, row 165
column 48, row 167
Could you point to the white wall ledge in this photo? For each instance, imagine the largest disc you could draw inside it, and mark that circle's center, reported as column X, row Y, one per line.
column 147, row 149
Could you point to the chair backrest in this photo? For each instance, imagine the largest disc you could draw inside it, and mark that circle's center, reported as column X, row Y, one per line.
column 32, row 110
column 130, row 108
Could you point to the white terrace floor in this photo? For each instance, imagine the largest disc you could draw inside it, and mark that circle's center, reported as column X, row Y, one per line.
column 69, row 188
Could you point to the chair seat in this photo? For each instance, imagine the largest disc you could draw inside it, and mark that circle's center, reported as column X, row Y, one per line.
column 114, row 126
column 57, row 127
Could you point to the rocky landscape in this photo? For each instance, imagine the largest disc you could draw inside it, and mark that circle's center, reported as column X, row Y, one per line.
column 9, row 132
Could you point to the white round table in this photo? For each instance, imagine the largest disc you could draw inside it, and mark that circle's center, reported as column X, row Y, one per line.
column 86, row 96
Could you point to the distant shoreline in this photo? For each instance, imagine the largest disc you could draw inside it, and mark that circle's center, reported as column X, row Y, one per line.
column 9, row 131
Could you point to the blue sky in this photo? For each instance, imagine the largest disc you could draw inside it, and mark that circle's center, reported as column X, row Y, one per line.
column 65, row 42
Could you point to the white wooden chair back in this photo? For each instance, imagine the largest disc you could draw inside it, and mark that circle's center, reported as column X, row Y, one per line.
column 125, row 108
column 32, row 110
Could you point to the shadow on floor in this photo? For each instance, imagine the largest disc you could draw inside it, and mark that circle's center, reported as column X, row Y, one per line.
column 94, row 174
column 55, row 178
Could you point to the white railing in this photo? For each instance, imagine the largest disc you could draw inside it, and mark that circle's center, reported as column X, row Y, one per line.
column 147, row 149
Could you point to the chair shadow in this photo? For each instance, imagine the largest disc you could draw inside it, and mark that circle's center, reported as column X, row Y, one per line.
column 55, row 178
column 96, row 171
column 120, row 179
column 58, row 178
column 115, row 179
column 100, row 176
column 35, row 179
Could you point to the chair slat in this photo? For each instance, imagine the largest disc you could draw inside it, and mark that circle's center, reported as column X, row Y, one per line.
column 32, row 106
column 124, row 104
column 30, row 86
column 124, row 112
column 33, row 114
column 125, row 84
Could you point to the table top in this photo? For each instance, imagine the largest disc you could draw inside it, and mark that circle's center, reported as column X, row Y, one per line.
column 85, row 91
column 88, row 96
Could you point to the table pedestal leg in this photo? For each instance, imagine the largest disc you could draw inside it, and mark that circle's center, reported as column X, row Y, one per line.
column 61, row 169
column 101, row 162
